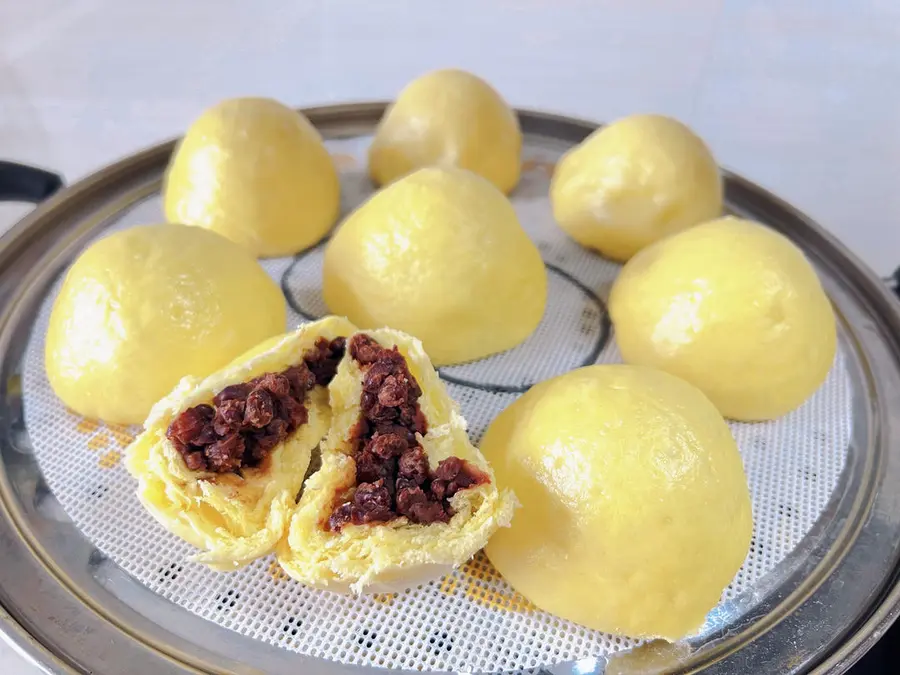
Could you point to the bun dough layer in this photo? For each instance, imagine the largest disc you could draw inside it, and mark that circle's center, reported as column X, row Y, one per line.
column 232, row 519
column 391, row 556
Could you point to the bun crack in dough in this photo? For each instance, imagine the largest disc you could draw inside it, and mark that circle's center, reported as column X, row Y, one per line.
column 441, row 255
column 633, row 182
column 402, row 495
column 221, row 460
column 448, row 118
column 256, row 172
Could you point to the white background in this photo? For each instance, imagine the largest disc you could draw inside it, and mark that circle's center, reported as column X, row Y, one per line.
column 802, row 96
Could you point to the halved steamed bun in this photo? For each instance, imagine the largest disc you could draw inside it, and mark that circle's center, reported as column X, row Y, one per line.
column 402, row 495
column 222, row 459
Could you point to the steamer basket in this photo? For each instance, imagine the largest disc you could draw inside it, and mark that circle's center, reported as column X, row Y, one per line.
column 90, row 584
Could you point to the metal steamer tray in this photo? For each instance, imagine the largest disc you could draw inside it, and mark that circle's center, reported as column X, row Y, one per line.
column 89, row 585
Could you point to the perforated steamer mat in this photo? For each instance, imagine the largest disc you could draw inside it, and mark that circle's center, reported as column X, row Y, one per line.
column 90, row 583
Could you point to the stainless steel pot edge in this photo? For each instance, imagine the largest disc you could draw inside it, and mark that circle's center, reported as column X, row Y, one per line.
column 88, row 193
column 886, row 610
column 27, row 647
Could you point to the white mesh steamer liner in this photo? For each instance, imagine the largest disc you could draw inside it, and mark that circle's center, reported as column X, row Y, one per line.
column 471, row 620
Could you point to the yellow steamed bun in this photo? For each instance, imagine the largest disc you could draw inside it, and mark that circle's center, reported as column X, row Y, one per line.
column 439, row 254
column 233, row 518
column 396, row 555
column 635, row 508
column 448, row 118
column 142, row 308
column 256, row 172
column 732, row 307
column 633, row 182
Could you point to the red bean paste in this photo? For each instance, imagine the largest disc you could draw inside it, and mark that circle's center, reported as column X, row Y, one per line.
column 392, row 474
column 246, row 421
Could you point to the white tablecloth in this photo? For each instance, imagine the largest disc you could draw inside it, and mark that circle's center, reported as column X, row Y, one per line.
column 798, row 95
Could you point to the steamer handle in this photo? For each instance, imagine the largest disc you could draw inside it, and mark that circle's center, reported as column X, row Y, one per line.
column 893, row 282
column 21, row 183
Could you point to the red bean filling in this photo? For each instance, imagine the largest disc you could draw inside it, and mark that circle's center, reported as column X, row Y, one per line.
column 247, row 420
column 392, row 474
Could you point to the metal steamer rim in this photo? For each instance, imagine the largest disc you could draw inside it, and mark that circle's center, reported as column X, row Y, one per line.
column 71, row 608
